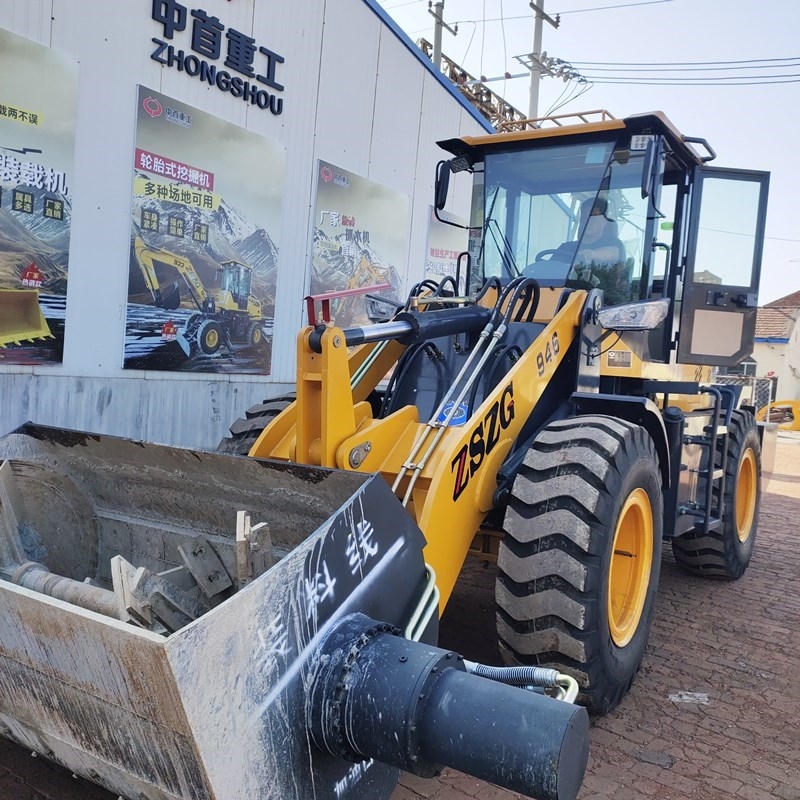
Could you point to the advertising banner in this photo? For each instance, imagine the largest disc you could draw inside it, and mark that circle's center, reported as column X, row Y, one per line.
column 445, row 244
column 38, row 102
column 206, row 212
column 360, row 241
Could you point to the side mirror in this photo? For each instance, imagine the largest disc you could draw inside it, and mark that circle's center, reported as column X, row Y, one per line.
column 647, row 167
column 442, row 184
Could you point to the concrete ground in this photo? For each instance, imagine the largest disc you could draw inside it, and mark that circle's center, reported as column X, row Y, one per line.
column 713, row 715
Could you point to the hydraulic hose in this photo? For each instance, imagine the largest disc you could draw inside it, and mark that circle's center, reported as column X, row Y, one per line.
column 516, row 676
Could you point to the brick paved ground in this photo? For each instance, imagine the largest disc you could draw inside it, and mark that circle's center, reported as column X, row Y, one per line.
column 736, row 643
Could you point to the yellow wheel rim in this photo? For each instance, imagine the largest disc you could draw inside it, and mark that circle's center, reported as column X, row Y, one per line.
column 746, row 494
column 631, row 560
column 257, row 336
column 212, row 338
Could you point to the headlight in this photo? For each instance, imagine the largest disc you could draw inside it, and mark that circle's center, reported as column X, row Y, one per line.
column 640, row 316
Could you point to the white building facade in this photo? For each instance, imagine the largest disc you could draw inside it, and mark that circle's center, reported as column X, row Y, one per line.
column 341, row 84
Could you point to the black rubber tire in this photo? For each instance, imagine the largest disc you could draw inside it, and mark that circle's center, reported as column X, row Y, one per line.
column 255, row 334
column 555, row 559
column 247, row 429
column 210, row 337
column 722, row 553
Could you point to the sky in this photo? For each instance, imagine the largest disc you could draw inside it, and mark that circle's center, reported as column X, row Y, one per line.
column 751, row 124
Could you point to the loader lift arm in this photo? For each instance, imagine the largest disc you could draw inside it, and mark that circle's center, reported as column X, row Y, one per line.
column 444, row 473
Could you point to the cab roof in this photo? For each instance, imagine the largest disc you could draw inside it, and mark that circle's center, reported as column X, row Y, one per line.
column 585, row 125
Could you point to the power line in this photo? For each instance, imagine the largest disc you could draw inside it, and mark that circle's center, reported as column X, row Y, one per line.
column 694, row 82
column 400, row 5
column 627, row 64
column 503, row 31
column 721, row 79
column 691, row 69
column 620, row 5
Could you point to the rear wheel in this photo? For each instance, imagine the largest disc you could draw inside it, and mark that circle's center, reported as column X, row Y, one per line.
column 255, row 334
column 247, row 429
column 726, row 552
column 579, row 565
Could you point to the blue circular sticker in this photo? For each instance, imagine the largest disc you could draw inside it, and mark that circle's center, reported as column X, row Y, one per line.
column 459, row 418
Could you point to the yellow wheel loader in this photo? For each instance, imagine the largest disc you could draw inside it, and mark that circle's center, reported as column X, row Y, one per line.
column 553, row 408
column 179, row 624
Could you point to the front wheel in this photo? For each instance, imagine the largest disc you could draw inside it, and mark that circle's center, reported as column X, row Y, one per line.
column 209, row 337
column 725, row 552
column 579, row 565
column 247, row 429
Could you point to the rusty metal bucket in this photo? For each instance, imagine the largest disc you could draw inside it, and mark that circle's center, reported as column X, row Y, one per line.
column 21, row 318
column 207, row 698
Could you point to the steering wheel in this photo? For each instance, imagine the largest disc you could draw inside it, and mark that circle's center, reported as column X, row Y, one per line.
column 540, row 255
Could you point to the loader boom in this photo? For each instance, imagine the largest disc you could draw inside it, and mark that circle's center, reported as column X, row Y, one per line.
column 445, row 473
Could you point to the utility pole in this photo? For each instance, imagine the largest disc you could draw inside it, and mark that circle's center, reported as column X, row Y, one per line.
column 437, row 12
column 536, row 66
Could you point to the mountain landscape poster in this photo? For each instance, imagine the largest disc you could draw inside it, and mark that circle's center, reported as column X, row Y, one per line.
column 38, row 105
column 360, row 241
column 205, row 217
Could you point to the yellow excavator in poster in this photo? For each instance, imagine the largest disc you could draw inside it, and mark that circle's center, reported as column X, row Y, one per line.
column 230, row 315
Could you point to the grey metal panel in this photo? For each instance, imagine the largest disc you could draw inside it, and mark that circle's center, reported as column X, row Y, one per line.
column 29, row 18
column 347, row 81
column 184, row 413
column 298, row 27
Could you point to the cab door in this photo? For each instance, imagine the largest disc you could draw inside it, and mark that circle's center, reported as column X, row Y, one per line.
column 723, row 266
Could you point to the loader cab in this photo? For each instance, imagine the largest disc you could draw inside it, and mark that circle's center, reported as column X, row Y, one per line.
column 627, row 206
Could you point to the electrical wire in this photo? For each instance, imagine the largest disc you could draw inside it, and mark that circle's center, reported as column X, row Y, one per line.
column 469, row 43
column 572, row 98
column 683, row 63
column 483, row 33
column 503, row 32
column 699, row 82
column 400, row 5
column 619, row 5
column 570, row 11
column 663, row 73
column 694, row 69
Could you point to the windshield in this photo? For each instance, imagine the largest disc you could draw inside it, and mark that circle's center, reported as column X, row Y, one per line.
column 564, row 214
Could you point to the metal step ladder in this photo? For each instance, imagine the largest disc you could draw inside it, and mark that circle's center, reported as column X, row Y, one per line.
column 709, row 515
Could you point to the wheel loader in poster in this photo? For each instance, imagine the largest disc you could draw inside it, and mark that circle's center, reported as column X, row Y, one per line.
column 186, row 624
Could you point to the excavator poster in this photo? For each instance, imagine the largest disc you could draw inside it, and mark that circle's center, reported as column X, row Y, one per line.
column 360, row 239
column 203, row 266
column 38, row 104
column 446, row 243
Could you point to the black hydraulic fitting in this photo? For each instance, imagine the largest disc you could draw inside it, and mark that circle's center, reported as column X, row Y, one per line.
column 375, row 694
